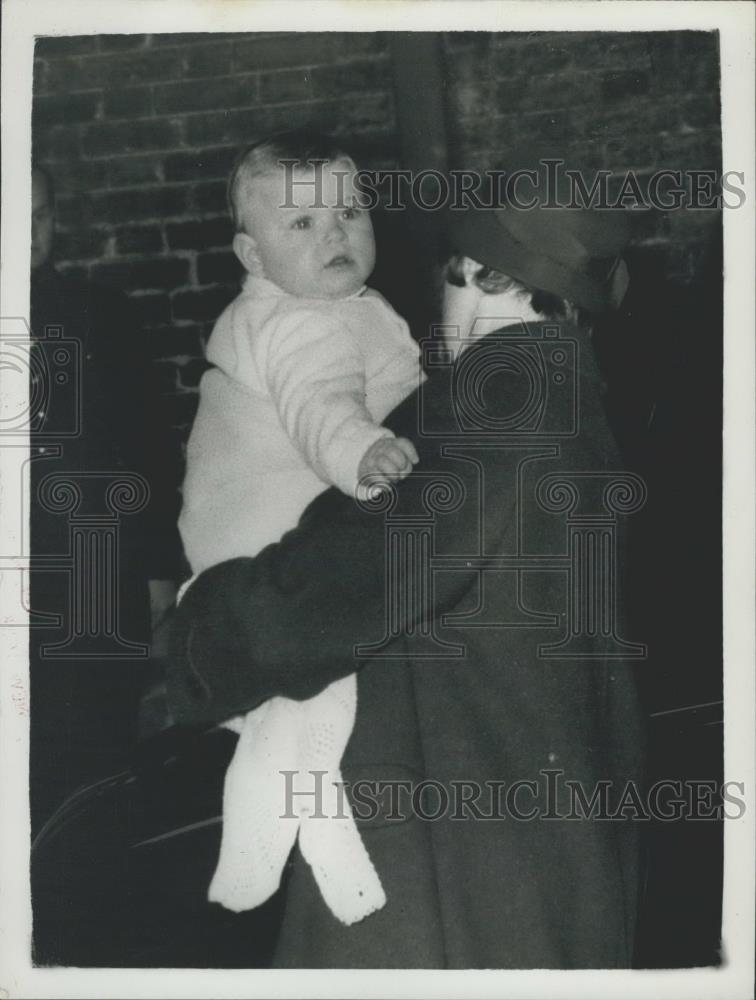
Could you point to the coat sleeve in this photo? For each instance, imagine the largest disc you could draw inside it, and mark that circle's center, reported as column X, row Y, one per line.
column 287, row 622
column 316, row 376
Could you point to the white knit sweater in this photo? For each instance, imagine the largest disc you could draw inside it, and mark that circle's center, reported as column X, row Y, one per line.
column 295, row 400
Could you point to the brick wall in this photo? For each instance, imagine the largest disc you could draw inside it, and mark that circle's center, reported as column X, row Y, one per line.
column 639, row 101
column 140, row 130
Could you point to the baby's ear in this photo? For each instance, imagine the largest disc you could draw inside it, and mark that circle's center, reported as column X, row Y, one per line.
column 245, row 249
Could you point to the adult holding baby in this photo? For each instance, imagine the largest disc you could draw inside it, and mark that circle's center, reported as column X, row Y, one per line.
column 462, row 693
column 307, row 361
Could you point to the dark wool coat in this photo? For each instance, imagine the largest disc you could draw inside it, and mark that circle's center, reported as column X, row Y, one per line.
column 464, row 891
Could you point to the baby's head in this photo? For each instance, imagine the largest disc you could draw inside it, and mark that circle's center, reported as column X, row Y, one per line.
column 295, row 205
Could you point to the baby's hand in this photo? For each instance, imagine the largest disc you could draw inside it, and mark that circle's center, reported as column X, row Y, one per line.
column 387, row 460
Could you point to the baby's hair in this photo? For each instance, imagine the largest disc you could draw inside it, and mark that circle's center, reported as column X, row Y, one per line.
column 300, row 145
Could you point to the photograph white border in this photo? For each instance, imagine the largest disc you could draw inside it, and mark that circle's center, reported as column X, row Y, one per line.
column 22, row 20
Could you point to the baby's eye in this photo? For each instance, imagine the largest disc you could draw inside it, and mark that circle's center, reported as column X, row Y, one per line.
column 303, row 222
column 350, row 213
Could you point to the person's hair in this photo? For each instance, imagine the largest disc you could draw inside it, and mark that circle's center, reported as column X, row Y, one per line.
column 546, row 304
column 302, row 146
column 47, row 177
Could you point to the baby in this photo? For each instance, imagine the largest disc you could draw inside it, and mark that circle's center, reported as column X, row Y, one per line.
column 308, row 361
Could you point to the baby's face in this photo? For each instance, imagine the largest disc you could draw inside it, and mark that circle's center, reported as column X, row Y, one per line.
column 311, row 237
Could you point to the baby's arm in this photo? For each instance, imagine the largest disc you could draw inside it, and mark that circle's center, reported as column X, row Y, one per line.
column 316, row 376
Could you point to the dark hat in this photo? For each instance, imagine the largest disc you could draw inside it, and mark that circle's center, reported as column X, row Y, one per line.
column 574, row 253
